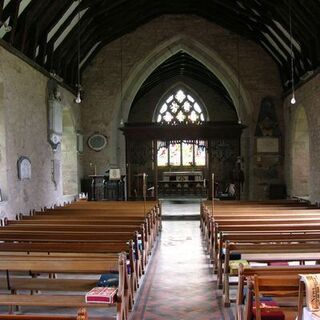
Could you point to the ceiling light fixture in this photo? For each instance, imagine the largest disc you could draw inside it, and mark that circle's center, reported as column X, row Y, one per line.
column 293, row 98
column 78, row 85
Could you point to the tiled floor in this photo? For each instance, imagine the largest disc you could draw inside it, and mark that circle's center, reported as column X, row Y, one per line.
column 180, row 207
column 179, row 284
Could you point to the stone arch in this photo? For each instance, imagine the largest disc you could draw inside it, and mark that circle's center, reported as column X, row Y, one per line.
column 208, row 57
column 175, row 86
column 69, row 156
column 300, row 160
column 3, row 154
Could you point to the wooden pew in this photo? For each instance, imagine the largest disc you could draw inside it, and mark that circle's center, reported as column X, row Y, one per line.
column 236, row 222
column 274, row 286
column 87, row 249
column 145, row 237
column 151, row 221
column 137, row 229
column 244, row 273
column 261, row 229
column 291, row 250
column 145, row 206
column 76, row 228
column 266, row 225
column 208, row 218
column 68, row 238
column 81, row 315
column 72, row 264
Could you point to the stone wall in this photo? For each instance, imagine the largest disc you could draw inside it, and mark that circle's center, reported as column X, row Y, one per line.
column 23, row 132
column 115, row 75
column 308, row 98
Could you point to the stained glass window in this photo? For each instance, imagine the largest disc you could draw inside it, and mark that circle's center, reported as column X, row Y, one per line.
column 163, row 154
column 187, row 154
column 175, row 154
column 200, row 154
column 181, row 108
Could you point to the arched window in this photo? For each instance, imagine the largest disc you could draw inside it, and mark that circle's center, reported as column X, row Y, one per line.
column 180, row 107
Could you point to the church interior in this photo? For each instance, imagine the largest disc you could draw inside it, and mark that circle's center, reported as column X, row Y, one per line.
column 126, row 125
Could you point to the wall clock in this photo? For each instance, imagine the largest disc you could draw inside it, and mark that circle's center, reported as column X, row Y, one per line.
column 97, row 141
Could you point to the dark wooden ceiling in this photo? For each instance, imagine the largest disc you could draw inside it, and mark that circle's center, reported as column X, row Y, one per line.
column 47, row 31
column 183, row 65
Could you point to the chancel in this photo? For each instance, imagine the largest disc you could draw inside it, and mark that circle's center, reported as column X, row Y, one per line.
column 124, row 125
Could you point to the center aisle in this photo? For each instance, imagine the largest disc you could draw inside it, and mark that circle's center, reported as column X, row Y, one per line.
column 179, row 283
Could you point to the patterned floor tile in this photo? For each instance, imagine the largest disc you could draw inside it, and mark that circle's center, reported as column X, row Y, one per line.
column 179, row 284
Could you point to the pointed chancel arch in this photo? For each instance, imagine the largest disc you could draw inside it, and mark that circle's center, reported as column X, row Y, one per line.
column 208, row 57
column 300, row 154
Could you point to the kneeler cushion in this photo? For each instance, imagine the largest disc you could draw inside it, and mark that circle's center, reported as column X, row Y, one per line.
column 108, row 280
column 269, row 314
column 234, row 266
column 233, row 255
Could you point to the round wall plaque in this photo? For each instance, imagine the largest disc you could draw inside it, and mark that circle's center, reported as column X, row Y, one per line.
column 97, row 141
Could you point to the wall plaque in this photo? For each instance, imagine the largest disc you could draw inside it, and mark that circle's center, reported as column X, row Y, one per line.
column 24, row 168
column 267, row 145
column 54, row 115
column 97, row 141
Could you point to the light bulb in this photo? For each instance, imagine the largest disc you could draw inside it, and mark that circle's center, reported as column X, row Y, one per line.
column 78, row 98
column 293, row 99
column 121, row 122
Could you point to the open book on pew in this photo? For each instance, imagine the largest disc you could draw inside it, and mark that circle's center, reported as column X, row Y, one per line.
column 309, row 315
column 101, row 295
column 312, row 288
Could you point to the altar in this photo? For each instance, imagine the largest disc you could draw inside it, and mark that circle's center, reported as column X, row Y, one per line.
column 182, row 183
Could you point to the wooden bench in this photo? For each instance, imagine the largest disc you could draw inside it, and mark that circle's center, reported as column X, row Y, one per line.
column 151, row 222
column 71, row 264
column 231, row 213
column 81, row 315
column 144, row 239
column 87, row 249
column 78, row 228
column 267, row 252
column 284, row 286
column 85, row 238
column 244, row 273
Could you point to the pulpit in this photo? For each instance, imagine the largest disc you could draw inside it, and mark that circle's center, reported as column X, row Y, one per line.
column 103, row 188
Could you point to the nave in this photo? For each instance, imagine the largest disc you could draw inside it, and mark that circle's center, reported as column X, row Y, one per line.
column 264, row 255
